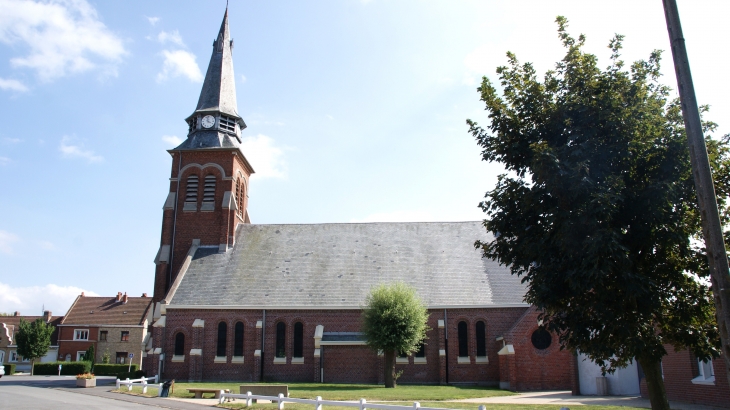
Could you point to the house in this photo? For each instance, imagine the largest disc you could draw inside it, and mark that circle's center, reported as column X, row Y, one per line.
column 8, row 348
column 115, row 326
column 241, row 301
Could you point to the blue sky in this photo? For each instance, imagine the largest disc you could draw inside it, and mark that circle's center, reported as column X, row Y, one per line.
column 355, row 110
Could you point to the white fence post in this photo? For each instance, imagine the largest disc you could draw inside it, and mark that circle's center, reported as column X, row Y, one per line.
column 159, row 390
column 144, row 385
column 129, row 385
column 482, row 407
column 318, row 406
column 117, row 384
column 281, row 401
column 362, row 404
column 416, row 405
column 248, row 399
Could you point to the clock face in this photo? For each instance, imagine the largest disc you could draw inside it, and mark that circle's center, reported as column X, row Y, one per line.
column 208, row 121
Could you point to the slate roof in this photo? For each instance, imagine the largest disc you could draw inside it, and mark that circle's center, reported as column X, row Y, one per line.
column 335, row 265
column 104, row 310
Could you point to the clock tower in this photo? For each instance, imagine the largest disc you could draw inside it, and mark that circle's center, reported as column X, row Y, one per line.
column 209, row 181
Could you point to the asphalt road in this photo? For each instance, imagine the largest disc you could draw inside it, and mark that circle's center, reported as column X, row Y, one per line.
column 54, row 392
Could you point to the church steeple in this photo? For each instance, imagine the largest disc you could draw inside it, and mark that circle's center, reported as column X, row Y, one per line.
column 216, row 122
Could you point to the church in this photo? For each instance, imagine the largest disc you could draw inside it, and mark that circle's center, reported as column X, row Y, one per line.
column 238, row 301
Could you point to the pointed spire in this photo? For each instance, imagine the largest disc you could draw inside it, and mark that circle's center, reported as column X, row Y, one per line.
column 219, row 88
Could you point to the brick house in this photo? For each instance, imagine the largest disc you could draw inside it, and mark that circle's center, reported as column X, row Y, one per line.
column 240, row 301
column 8, row 349
column 113, row 325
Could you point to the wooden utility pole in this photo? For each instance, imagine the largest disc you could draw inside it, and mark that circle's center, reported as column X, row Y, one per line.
column 711, row 226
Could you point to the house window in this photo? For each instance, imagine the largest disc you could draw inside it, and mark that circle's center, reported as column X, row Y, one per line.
column 238, row 340
column 102, row 335
column 209, row 189
column 280, row 339
column 81, row 334
column 125, row 336
column 222, row 333
column 706, row 372
column 13, row 356
column 463, row 339
column 298, row 339
column 122, row 357
column 191, row 189
column 80, row 355
column 421, row 352
column 481, row 329
column 179, row 344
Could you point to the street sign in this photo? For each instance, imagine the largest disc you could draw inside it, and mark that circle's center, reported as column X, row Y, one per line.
column 131, row 355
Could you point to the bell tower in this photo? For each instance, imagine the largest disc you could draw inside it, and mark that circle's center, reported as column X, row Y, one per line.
column 208, row 195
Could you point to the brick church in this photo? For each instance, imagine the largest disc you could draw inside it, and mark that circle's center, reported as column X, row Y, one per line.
column 239, row 301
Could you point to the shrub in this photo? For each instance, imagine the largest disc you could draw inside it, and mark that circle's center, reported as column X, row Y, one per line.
column 68, row 369
column 9, row 369
column 101, row 369
column 132, row 375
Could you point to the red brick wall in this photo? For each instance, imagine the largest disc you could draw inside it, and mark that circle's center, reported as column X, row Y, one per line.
column 679, row 369
column 67, row 345
column 548, row 369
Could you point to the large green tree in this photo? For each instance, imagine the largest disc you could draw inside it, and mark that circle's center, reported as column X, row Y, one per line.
column 598, row 212
column 33, row 339
column 394, row 321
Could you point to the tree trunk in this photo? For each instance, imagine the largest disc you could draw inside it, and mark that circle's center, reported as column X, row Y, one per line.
column 389, row 368
column 655, row 384
column 32, row 366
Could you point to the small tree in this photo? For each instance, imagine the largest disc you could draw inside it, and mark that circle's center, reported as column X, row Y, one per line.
column 394, row 321
column 106, row 357
column 33, row 339
column 90, row 355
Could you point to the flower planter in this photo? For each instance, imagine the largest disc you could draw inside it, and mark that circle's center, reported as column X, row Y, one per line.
column 86, row 382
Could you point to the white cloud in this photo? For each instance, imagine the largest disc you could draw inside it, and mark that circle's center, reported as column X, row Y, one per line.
column 398, row 216
column 29, row 300
column 77, row 151
column 5, row 160
column 172, row 37
column 330, row 117
column 152, row 20
column 266, row 158
column 13, row 85
column 47, row 245
column 9, row 140
column 172, row 139
column 60, row 36
column 179, row 63
column 7, row 240
column 243, row 78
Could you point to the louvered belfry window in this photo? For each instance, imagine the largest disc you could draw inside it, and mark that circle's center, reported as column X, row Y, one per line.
column 227, row 124
column 191, row 189
column 209, row 189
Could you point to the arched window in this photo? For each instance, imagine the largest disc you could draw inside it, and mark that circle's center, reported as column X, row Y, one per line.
column 240, row 194
column 222, row 334
column 179, row 344
column 280, row 339
column 238, row 340
column 481, row 339
column 463, row 340
column 209, row 189
column 421, row 350
column 298, row 339
column 191, row 189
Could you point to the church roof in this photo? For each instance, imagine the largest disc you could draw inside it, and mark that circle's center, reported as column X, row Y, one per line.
column 335, row 265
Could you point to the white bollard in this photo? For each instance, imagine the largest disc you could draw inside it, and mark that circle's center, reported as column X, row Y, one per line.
column 249, row 400
column 318, row 406
column 416, row 405
column 362, row 404
column 117, row 384
column 129, row 385
column 281, row 401
column 159, row 390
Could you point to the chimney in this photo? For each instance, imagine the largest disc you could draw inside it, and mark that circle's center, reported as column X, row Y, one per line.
column 144, row 295
column 16, row 313
column 119, row 296
column 47, row 315
column 82, row 293
column 125, row 299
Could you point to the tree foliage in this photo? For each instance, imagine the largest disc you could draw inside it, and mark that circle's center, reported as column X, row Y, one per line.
column 394, row 321
column 598, row 212
column 33, row 339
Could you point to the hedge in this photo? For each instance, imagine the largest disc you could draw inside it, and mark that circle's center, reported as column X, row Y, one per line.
column 132, row 375
column 68, row 369
column 9, row 369
column 101, row 369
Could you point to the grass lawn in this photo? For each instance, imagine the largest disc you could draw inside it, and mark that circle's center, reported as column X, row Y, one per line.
column 437, row 404
column 370, row 392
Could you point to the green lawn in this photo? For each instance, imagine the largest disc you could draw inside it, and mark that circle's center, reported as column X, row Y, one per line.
column 437, row 404
column 370, row 392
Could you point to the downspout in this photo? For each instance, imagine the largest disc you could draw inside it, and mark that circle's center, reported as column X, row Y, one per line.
column 263, row 343
column 174, row 225
column 446, row 344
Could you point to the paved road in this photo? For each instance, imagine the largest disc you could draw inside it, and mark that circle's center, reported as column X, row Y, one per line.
column 54, row 392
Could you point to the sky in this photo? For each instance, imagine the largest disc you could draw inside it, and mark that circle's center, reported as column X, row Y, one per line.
column 355, row 110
